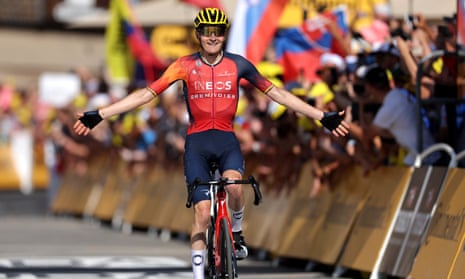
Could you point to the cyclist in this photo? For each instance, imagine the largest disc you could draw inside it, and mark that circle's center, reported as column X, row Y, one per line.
column 210, row 82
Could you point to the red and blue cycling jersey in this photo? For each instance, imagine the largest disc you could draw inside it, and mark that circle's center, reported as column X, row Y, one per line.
column 211, row 92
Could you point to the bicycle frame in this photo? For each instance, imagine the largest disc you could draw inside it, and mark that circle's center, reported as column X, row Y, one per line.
column 219, row 212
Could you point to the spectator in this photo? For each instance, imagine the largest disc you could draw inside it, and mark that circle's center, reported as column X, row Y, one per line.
column 395, row 119
column 327, row 153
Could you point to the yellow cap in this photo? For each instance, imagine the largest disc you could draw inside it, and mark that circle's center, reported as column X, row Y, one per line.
column 321, row 90
column 276, row 110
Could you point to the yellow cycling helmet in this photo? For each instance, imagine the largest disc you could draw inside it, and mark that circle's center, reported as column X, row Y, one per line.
column 211, row 16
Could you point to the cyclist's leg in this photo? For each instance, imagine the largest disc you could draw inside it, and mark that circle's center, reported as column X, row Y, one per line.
column 236, row 205
column 232, row 166
column 196, row 166
column 235, row 192
column 198, row 237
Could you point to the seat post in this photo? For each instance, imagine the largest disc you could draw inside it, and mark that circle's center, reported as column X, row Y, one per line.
column 214, row 171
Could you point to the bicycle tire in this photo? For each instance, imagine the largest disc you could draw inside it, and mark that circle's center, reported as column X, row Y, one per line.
column 226, row 250
column 211, row 270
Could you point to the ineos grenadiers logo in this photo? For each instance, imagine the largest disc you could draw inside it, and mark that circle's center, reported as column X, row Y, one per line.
column 209, row 85
column 214, row 95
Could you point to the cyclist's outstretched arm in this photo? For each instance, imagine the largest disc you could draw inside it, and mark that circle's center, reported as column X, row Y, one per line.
column 90, row 119
column 332, row 120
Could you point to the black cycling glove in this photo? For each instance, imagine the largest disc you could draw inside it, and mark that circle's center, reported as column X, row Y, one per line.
column 331, row 120
column 90, row 119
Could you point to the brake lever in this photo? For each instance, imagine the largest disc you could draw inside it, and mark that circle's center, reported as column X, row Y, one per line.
column 190, row 191
column 256, row 189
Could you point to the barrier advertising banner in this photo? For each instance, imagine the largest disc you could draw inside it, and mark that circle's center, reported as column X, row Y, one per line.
column 412, row 221
column 441, row 254
column 349, row 195
column 386, row 188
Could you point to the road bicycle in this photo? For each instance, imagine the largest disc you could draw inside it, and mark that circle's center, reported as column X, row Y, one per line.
column 221, row 255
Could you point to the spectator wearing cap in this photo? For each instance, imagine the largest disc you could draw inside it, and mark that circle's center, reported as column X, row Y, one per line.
column 322, row 93
column 387, row 55
column 327, row 153
column 396, row 118
column 331, row 69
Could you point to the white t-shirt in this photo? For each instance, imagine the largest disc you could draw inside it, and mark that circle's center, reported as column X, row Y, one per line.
column 399, row 115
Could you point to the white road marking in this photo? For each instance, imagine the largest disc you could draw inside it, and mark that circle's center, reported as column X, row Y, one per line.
column 104, row 264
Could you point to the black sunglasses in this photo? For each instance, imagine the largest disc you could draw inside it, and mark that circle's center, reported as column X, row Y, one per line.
column 208, row 31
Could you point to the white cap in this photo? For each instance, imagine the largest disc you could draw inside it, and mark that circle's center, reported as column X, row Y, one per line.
column 332, row 59
column 383, row 9
column 351, row 59
column 98, row 101
column 386, row 48
column 363, row 70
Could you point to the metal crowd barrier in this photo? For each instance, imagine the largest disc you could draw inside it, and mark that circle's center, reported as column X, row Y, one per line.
column 436, row 98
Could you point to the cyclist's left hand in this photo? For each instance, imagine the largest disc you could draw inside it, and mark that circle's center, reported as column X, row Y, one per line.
column 334, row 121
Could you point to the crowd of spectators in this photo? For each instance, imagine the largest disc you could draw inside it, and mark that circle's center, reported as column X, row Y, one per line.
column 375, row 84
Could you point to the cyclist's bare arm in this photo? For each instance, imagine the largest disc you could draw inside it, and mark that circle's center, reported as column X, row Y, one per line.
column 132, row 101
column 293, row 102
column 135, row 99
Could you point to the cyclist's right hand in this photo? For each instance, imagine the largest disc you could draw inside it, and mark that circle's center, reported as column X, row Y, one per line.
column 87, row 121
column 334, row 122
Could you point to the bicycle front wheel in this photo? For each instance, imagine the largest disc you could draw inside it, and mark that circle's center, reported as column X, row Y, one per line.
column 211, row 270
column 226, row 250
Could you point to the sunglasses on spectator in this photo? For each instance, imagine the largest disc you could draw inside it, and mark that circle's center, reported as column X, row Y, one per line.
column 208, row 31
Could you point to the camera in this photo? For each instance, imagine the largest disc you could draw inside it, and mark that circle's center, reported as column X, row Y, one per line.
column 412, row 21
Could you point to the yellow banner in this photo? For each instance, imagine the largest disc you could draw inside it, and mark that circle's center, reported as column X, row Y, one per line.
column 360, row 12
column 172, row 41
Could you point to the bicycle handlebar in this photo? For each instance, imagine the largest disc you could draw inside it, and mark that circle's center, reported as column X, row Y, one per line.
column 223, row 182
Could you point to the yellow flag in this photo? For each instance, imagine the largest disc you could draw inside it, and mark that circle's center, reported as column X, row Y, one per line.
column 118, row 57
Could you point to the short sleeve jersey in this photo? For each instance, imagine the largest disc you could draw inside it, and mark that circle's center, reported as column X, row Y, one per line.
column 398, row 115
column 211, row 92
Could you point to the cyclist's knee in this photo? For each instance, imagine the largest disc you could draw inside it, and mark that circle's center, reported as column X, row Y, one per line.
column 235, row 191
column 232, row 174
column 202, row 213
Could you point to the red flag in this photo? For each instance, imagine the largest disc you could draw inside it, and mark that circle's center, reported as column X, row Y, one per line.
column 204, row 3
column 132, row 38
column 142, row 51
column 255, row 23
column 461, row 21
column 299, row 49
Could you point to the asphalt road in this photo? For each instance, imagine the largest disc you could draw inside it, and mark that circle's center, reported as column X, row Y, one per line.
column 36, row 245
